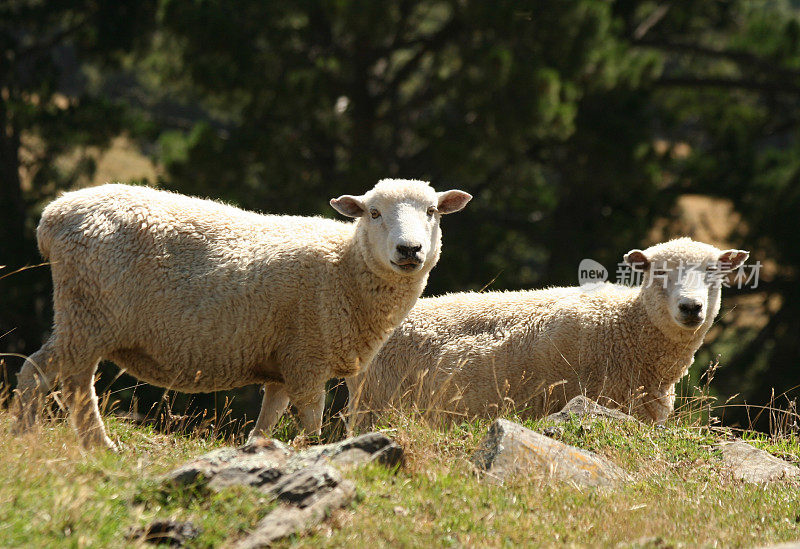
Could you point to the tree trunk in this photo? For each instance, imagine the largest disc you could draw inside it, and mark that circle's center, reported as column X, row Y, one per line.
column 20, row 329
column 14, row 250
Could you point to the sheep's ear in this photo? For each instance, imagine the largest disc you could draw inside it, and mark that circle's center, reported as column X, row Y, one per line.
column 452, row 201
column 730, row 260
column 637, row 260
column 351, row 206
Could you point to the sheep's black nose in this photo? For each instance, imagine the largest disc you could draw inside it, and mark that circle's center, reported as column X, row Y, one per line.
column 408, row 251
column 690, row 308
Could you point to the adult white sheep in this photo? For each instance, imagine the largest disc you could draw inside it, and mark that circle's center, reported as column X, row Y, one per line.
column 199, row 296
column 475, row 354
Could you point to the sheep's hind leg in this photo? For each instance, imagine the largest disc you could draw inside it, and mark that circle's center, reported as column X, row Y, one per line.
column 78, row 391
column 273, row 405
column 33, row 381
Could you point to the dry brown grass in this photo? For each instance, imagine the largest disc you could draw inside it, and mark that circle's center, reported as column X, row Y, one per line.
column 54, row 493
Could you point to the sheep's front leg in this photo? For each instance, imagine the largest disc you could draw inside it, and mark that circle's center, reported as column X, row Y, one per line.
column 656, row 405
column 663, row 406
column 273, row 405
column 306, row 387
column 310, row 410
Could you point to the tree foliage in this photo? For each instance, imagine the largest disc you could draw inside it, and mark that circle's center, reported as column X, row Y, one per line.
column 48, row 108
column 550, row 112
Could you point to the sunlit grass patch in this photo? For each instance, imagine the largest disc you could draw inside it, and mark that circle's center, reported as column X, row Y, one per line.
column 679, row 494
column 53, row 493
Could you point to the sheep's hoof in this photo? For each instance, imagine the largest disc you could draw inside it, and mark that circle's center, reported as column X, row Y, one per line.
column 111, row 446
column 255, row 437
column 103, row 443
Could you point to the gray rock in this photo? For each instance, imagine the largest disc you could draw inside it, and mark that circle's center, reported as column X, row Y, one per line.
column 356, row 451
column 510, row 450
column 306, row 484
column 288, row 519
column 262, row 462
column 750, row 464
column 304, row 487
column 253, row 464
column 165, row 532
column 582, row 406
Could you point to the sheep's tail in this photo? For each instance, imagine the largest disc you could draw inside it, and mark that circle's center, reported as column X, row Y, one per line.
column 44, row 234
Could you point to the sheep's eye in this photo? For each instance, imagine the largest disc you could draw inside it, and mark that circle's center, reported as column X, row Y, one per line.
column 374, row 214
column 659, row 272
column 432, row 210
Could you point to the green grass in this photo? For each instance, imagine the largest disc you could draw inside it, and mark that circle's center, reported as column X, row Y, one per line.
column 54, row 495
column 680, row 495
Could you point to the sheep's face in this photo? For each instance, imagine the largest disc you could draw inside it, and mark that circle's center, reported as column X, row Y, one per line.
column 400, row 221
column 682, row 279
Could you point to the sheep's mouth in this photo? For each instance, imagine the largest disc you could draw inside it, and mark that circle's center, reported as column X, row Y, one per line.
column 407, row 265
column 691, row 322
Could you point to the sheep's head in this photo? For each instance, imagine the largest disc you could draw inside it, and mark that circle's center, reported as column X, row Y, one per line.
column 682, row 280
column 399, row 220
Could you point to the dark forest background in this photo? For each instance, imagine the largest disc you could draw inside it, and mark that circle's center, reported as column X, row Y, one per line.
column 583, row 129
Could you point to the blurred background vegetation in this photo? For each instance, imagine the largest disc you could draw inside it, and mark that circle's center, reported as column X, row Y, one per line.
column 583, row 128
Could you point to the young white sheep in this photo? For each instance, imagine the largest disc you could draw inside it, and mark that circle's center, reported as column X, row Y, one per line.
column 199, row 296
column 475, row 354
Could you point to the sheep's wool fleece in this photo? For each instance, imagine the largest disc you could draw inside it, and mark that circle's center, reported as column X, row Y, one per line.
column 197, row 295
column 477, row 354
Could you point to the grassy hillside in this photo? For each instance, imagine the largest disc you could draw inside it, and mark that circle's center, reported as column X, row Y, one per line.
column 54, row 495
